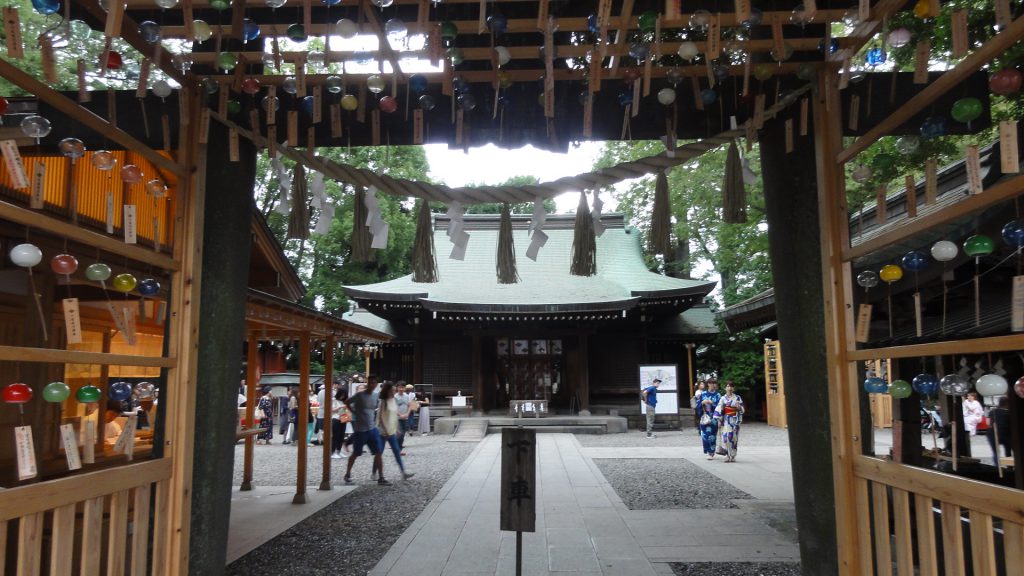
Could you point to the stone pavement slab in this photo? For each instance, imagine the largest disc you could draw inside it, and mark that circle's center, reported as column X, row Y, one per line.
column 250, row 510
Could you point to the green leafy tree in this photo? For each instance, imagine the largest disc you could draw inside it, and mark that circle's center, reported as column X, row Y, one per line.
column 705, row 245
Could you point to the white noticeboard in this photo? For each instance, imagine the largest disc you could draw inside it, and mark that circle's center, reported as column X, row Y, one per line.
column 668, row 390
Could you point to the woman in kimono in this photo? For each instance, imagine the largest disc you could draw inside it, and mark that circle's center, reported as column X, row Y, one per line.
column 729, row 413
column 265, row 411
column 708, row 426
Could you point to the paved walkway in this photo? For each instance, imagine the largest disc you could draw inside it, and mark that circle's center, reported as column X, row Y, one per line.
column 583, row 528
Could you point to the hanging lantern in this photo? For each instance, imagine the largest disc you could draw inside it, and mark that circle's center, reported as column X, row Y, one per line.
column 666, row 96
column 97, row 272
column 388, row 104
column 890, row 273
column 867, row 279
column 875, row 385
column 375, row 83
column 346, row 28
column 56, row 392
column 26, row 255
column 954, row 385
column 1005, row 82
column 297, row 33
column 201, row 31
column 124, row 282
column 72, row 148
column 991, row 385
column 900, row 389
column 915, row 261
column 131, row 174
column 350, row 102
column 148, row 287
column 88, row 394
column 120, row 391
column 251, row 86
column 35, row 126
column 926, row 384
column 250, row 30
column 944, row 250
column 65, row 264
column 978, row 245
column 898, row 38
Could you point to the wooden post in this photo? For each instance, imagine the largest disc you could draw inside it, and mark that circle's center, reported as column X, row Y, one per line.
column 251, row 371
column 417, row 354
column 843, row 392
column 325, row 478
column 476, row 376
column 300, row 432
column 583, row 386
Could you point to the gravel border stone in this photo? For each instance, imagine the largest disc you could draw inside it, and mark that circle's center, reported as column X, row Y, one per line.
column 737, row 569
column 664, row 484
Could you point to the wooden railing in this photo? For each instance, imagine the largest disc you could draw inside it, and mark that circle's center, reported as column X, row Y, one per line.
column 914, row 513
column 94, row 523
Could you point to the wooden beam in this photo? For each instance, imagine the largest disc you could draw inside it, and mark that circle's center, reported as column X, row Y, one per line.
column 72, row 110
column 56, row 356
column 130, row 34
column 864, row 31
column 84, row 236
column 1006, row 343
column 1002, row 191
column 373, row 19
column 969, row 65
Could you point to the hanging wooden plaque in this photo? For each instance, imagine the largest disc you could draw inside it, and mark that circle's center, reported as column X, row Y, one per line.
column 272, row 141
column 778, row 41
column 187, row 19
column 972, row 159
column 12, row 33
column 647, row 77
column 38, row 197
column 695, row 89
column 110, row 212
column 881, row 206
column 232, row 145
column 272, row 108
column 311, row 139
column 1009, row 157
column 588, row 116
column 254, row 121
column 46, row 58
column 958, row 24
column 742, row 9
column 89, row 442
column 922, row 52
column 83, row 85
column 335, row 112
column 143, row 85
column 759, row 111
column 788, row 127
column 12, row 159
column 222, row 101
column 458, row 127
column 115, row 15
column 931, row 181
column 293, row 128
column 165, row 127
column 72, row 320
column 417, row 126
column 542, row 14
column 318, row 97
column 69, row 440
column 112, row 107
column 854, row 119
column 375, row 127
column 864, row 10
column 183, row 109
column 804, row 111
column 1017, row 305
column 26, row 451
column 863, row 327
column 910, row 192
column 130, row 223
column 714, row 45
column 1003, row 14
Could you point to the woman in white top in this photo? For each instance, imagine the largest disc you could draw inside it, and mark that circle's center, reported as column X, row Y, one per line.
column 387, row 423
column 338, row 409
column 973, row 413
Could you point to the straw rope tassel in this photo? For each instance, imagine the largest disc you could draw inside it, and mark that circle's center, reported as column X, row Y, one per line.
column 584, row 244
column 298, row 219
column 506, row 257
column 424, row 261
column 734, row 194
column 661, row 218
column 360, row 233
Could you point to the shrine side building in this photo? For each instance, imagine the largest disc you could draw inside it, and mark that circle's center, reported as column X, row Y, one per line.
column 577, row 342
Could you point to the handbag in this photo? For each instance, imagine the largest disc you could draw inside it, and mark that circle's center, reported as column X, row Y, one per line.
column 414, row 405
column 705, row 419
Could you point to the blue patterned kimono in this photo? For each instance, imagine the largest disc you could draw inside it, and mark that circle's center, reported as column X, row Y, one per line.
column 729, row 412
column 708, row 432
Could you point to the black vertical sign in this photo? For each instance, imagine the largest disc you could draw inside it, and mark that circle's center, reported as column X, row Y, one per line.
column 518, row 479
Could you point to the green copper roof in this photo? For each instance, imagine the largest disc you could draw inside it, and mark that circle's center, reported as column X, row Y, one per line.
column 621, row 282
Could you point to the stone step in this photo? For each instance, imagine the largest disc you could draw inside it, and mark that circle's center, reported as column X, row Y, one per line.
column 569, row 429
column 470, row 430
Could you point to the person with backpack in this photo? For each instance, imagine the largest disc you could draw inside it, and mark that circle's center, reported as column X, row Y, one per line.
column 650, row 398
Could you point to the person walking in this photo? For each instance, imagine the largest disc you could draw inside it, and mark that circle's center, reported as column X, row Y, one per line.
column 695, row 403
column 362, row 405
column 973, row 413
column 402, row 402
column 265, row 412
column 729, row 414
column 708, row 426
column 388, row 423
column 340, row 416
column 650, row 397
column 293, row 416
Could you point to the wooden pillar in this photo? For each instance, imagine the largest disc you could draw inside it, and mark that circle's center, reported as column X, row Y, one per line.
column 104, row 385
column 476, row 373
column 325, row 478
column 226, row 237
column 251, row 371
column 417, row 354
column 303, row 423
column 689, row 368
column 583, row 386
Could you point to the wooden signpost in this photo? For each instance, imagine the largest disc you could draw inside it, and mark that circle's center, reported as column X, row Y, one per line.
column 518, row 485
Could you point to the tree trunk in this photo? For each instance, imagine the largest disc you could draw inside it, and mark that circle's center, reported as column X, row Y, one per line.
column 226, row 243
column 790, row 189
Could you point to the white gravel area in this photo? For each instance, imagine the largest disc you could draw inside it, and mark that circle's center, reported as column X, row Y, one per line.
column 737, row 569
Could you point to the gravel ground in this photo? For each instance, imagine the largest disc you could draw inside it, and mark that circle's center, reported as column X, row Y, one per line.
column 352, row 534
column 667, row 484
column 738, row 569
